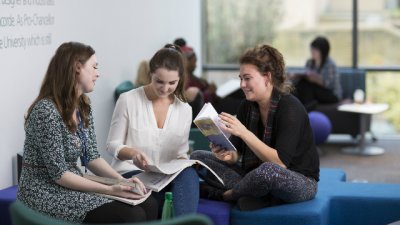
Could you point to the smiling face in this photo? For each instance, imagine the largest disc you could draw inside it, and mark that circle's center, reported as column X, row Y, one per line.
column 254, row 85
column 87, row 75
column 164, row 82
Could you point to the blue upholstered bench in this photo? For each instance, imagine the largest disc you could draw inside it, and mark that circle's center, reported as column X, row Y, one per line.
column 218, row 212
column 337, row 202
column 7, row 196
column 312, row 212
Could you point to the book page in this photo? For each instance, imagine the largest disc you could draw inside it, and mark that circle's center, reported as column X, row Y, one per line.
column 214, row 134
column 110, row 181
column 209, row 123
column 156, row 181
column 127, row 200
column 212, row 171
column 170, row 167
column 208, row 111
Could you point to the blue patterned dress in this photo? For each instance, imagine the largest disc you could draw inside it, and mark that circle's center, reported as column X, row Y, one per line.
column 50, row 150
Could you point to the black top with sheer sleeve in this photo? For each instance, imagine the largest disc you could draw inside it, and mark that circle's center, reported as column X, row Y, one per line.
column 291, row 137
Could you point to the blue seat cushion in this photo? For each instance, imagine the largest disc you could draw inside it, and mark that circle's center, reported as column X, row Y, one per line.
column 218, row 212
column 7, row 196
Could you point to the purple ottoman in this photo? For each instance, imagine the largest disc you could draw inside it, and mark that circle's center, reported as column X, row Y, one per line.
column 218, row 212
column 7, row 196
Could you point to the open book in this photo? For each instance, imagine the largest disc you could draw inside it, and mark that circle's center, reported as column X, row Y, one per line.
column 208, row 123
column 111, row 181
column 160, row 176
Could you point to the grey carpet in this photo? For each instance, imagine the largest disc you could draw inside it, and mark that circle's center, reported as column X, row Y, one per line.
column 373, row 169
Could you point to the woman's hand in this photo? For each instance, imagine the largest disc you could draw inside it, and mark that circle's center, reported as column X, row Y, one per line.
column 140, row 160
column 140, row 188
column 232, row 125
column 126, row 191
column 229, row 156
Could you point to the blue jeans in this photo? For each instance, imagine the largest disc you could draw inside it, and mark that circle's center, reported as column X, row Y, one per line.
column 185, row 192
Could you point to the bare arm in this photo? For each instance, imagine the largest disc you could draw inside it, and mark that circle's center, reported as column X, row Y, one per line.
column 78, row 183
column 101, row 168
column 138, row 157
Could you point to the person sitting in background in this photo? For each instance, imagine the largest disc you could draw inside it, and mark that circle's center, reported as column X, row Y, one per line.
column 208, row 89
column 276, row 159
column 142, row 78
column 320, row 84
column 143, row 74
column 59, row 129
column 196, row 97
column 151, row 124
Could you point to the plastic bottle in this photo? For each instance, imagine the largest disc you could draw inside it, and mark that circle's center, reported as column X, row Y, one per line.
column 168, row 207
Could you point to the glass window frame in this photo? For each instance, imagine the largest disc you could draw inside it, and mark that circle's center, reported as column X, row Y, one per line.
column 354, row 50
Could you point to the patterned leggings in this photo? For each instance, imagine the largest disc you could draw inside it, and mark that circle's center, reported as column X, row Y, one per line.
column 268, row 179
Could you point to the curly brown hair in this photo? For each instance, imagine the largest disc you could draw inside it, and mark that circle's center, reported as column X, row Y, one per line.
column 268, row 59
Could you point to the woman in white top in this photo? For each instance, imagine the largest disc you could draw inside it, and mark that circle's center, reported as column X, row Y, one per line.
column 151, row 125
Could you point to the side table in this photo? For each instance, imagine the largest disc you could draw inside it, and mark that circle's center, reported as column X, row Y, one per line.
column 365, row 110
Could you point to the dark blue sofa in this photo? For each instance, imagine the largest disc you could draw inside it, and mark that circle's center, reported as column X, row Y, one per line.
column 337, row 202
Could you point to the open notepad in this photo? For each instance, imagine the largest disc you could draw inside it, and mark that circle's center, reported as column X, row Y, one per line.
column 111, row 181
column 208, row 123
column 155, row 179
column 161, row 175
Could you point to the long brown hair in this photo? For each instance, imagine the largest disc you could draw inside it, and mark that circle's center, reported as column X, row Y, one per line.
column 268, row 59
column 59, row 83
column 170, row 57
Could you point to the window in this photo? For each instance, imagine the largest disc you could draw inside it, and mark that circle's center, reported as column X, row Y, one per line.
column 383, row 87
column 232, row 26
column 379, row 33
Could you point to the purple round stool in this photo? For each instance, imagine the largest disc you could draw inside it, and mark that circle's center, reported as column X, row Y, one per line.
column 321, row 126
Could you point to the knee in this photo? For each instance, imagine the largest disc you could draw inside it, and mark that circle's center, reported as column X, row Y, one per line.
column 195, row 155
column 189, row 173
column 268, row 167
column 198, row 155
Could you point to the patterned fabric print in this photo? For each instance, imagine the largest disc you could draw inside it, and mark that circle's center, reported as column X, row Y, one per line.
column 284, row 184
column 49, row 151
column 267, row 179
column 250, row 160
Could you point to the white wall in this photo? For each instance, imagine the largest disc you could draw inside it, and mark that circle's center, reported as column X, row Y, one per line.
column 122, row 32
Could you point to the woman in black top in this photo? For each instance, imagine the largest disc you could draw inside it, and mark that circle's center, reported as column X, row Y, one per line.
column 321, row 82
column 276, row 159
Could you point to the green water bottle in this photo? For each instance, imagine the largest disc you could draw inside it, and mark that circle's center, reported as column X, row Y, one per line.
column 168, row 207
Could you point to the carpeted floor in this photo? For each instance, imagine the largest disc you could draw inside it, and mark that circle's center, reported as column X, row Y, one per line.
column 373, row 169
